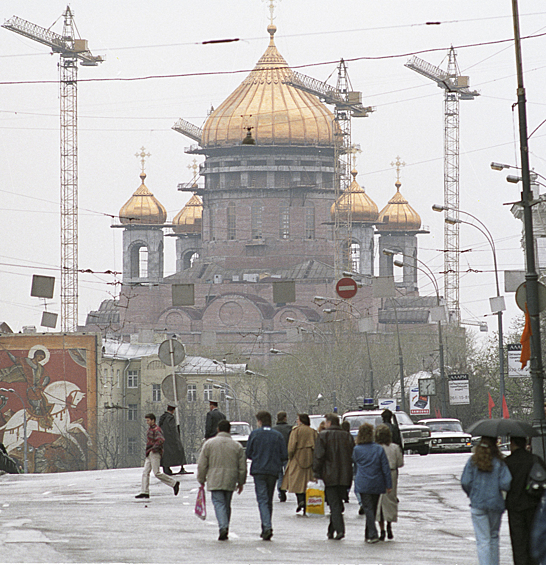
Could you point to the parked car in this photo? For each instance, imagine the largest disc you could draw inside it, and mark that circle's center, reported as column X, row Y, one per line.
column 415, row 437
column 447, row 434
column 240, row 432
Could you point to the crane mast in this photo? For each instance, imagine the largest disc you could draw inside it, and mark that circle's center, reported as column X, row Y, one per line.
column 347, row 104
column 72, row 51
column 456, row 89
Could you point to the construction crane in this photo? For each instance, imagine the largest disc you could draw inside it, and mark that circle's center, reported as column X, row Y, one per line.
column 71, row 50
column 347, row 105
column 456, row 88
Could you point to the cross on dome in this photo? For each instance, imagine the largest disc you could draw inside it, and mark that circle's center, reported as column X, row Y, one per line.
column 142, row 155
column 398, row 164
column 271, row 10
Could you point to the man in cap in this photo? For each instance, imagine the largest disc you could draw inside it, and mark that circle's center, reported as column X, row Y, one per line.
column 213, row 419
column 173, row 450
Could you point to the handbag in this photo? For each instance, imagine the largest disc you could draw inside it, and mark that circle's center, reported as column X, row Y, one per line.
column 536, row 480
column 201, row 504
column 314, row 497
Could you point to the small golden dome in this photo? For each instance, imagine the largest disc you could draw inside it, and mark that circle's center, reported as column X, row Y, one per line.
column 189, row 219
column 363, row 207
column 398, row 215
column 278, row 114
column 143, row 207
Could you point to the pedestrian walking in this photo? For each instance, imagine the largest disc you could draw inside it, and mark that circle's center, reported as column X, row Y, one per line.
column 332, row 462
column 222, row 466
column 213, row 419
column 387, row 507
column 484, row 479
column 266, row 449
column 284, row 428
column 521, row 505
column 154, row 451
column 299, row 471
column 538, row 534
column 173, row 450
column 372, row 478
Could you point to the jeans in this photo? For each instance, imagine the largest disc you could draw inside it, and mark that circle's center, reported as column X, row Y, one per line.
column 486, row 527
column 369, row 503
column 264, row 485
column 334, row 496
column 221, row 499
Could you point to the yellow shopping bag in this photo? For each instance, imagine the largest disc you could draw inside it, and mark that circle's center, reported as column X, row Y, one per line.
column 314, row 497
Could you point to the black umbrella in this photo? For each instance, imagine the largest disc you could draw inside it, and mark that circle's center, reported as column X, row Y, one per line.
column 502, row 427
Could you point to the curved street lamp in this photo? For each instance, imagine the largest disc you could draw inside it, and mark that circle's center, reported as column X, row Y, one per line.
column 497, row 303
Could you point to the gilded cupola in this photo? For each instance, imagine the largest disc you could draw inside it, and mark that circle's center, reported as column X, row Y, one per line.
column 189, row 219
column 277, row 113
column 398, row 215
column 143, row 207
column 363, row 208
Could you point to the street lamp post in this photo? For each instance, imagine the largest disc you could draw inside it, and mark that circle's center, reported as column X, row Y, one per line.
column 497, row 304
column 25, row 448
column 428, row 272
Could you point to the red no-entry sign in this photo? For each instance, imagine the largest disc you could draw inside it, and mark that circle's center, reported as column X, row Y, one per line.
column 346, row 287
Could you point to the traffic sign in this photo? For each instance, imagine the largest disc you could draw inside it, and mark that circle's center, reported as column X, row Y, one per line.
column 521, row 297
column 346, row 287
column 171, row 346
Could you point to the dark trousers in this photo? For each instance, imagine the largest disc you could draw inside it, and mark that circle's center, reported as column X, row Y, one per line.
column 521, row 523
column 335, row 495
column 369, row 503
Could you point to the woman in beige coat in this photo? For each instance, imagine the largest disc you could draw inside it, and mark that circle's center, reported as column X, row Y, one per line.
column 299, row 472
column 387, row 508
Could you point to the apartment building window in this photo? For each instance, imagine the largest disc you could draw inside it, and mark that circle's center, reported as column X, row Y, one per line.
column 207, row 392
column 192, row 393
column 132, row 446
column 156, row 393
column 132, row 412
column 132, row 379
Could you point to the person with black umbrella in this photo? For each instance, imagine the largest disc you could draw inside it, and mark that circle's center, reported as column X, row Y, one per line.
column 521, row 504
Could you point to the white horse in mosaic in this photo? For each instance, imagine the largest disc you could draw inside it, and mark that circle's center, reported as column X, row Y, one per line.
column 62, row 395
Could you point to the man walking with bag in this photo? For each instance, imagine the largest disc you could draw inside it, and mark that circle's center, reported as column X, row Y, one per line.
column 266, row 449
column 333, row 464
column 154, row 451
column 222, row 465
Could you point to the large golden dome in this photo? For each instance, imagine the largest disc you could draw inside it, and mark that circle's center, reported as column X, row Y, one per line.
column 143, row 207
column 189, row 219
column 278, row 114
column 363, row 208
column 398, row 215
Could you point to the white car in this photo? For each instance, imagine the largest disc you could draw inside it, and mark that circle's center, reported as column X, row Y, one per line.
column 240, row 432
column 447, row 434
column 315, row 420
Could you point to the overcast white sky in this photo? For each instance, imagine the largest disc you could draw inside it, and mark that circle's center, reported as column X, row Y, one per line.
column 163, row 38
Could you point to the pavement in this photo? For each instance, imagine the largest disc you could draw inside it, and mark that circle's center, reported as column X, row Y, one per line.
column 93, row 517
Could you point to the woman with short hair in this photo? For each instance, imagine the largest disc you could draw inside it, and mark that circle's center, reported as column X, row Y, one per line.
column 373, row 477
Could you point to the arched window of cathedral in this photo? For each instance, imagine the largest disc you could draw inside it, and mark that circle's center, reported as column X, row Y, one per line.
column 143, row 262
column 355, row 257
column 189, row 259
column 231, row 221
column 257, row 212
column 309, row 220
column 284, row 220
column 160, row 252
column 211, row 226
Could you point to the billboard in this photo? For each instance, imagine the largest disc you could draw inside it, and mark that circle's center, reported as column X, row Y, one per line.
column 514, row 364
column 419, row 405
column 50, row 379
column 459, row 389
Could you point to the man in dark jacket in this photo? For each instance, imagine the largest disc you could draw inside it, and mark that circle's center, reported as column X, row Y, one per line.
column 387, row 417
column 266, row 449
column 214, row 416
column 334, row 465
column 521, row 506
column 173, row 450
column 284, row 428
